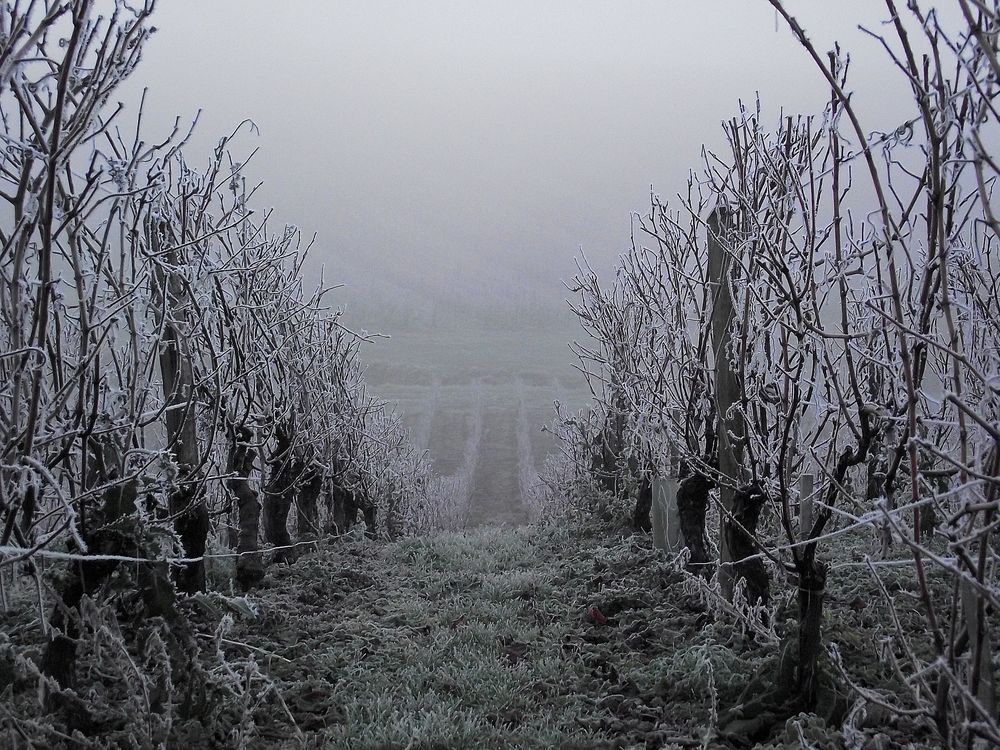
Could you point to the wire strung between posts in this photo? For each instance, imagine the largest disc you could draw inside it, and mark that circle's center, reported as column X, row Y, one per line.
column 866, row 520
column 17, row 554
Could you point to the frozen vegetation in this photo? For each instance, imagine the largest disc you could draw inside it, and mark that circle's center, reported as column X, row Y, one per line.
column 217, row 529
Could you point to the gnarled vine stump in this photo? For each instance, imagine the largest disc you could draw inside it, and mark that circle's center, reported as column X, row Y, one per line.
column 741, row 536
column 692, row 504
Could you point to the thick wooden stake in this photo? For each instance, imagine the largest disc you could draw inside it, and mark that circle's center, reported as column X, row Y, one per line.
column 981, row 682
column 665, row 516
column 658, row 513
column 187, row 502
column 727, row 387
column 666, row 519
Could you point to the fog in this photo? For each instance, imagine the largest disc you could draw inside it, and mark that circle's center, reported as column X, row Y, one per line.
column 440, row 148
column 454, row 157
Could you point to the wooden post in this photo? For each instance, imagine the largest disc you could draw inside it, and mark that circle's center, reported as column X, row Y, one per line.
column 727, row 387
column 805, row 505
column 173, row 306
column 658, row 513
column 675, row 540
column 666, row 518
column 984, row 688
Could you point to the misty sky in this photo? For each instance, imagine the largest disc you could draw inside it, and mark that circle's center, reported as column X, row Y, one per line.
column 433, row 143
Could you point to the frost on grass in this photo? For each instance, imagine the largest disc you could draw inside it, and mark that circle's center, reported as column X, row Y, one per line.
column 535, row 638
column 530, row 637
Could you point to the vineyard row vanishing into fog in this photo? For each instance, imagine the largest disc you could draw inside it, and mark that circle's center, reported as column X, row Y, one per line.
column 821, row 301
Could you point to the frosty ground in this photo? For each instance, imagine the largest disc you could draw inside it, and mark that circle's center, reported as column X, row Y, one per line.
column 487, row 638
column 523, row 637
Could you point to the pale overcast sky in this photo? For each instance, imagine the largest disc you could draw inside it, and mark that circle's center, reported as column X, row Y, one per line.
column 426, row 142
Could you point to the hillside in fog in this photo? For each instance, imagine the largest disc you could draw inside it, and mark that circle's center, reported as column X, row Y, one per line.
column 445, row 296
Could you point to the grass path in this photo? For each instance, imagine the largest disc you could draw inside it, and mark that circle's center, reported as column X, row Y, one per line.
column 489, row 638
column 482, row 639
column 495, row 495
column 533, row 638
